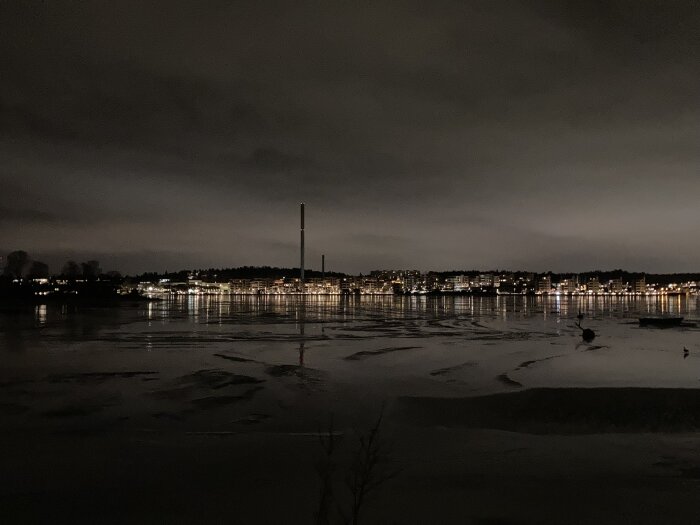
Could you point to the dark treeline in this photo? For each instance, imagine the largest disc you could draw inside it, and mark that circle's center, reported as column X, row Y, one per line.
column 19, row 265
column 24, row 280
column 242, row 272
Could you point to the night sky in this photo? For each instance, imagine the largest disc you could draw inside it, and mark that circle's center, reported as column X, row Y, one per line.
column 549, row 135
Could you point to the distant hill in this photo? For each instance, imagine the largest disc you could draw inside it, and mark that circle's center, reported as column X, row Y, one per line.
column 242, row 272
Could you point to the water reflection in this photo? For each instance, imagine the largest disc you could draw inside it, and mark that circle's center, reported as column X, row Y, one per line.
column 302, row 321
column 207, row 309
column 236, row 317
column 40, row 313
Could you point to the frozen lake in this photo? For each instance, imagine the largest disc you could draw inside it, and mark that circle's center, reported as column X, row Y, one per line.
column 162, row 379
column 389, row 346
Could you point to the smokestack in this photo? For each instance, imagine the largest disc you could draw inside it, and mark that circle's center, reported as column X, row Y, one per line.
column 301, row 266
column 323, row 266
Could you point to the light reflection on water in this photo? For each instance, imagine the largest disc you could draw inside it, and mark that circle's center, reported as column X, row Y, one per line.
column 263, row 314
column 40, row 311
column 497, row 333
column 143, row 360
column 205, row 309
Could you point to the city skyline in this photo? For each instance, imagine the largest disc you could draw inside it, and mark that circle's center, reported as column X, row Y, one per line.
column 58, row 269
column 19, row 267
column 539, row 135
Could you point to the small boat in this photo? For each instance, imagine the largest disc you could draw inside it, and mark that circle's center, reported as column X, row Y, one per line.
column 660, row 322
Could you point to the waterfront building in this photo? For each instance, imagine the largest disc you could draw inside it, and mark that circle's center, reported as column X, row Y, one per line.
column 569, row 285
column 593, row 285
column 617, row 286
column 459, row 283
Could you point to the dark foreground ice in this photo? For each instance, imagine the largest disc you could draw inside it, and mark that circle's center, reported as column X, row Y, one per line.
column 204, row 409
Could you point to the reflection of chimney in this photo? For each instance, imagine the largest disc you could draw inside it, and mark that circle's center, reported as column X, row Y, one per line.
column 323, row 266
column 301, row 266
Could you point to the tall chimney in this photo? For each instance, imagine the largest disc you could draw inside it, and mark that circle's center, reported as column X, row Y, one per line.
column 323, row 266
column 301, row 266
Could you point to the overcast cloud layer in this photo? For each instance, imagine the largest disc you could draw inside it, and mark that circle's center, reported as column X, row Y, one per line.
column 434, row 135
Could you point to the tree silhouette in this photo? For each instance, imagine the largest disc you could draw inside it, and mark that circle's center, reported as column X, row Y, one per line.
column 71, row 270
column 17, row 261
column 91, row 270
column 38, row 270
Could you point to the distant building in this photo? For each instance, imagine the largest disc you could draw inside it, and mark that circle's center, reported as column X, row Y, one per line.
column 458, row 283
column 482, row 280
column 345, row 285
column 569, row 285
column 370, row 285
column 593, row 285
column 486, row 280
column 544, row 284
column 411, row 280
column 506, row 278
column 433, row 281
column 617, row 286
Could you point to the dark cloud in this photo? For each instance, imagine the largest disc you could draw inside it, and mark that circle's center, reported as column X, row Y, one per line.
column 23, row 216
column 270, row 159
column 542, row 135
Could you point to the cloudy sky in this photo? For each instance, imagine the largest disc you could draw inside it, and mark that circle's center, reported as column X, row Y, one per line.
column 547, row 135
